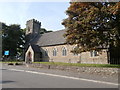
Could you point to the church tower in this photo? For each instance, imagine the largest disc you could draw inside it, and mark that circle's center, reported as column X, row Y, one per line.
column 32, row 29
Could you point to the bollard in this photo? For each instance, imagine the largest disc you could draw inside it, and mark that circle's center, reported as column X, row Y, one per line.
column 48, row 66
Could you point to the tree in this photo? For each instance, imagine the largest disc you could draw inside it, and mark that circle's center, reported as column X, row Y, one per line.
column 93, row 25
column 12, row 39
column 43, row 30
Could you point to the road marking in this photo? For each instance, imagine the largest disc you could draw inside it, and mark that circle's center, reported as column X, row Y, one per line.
column 17, row 70
column 64, row 76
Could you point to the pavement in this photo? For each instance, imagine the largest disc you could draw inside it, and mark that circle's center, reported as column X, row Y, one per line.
column 28, row 77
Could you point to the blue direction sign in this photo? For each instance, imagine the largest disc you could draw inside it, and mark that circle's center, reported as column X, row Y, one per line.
column 6, row 53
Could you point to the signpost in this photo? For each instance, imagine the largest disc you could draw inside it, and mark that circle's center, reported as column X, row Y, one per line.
column 7, row 53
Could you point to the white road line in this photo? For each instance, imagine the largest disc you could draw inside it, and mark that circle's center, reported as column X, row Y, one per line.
column 65, row 77
column 17, row 70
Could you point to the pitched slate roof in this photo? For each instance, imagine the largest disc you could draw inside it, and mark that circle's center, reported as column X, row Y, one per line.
column 35, row 48
column 52, row 38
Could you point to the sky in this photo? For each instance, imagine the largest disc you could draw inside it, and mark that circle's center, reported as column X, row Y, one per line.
column 50, row 14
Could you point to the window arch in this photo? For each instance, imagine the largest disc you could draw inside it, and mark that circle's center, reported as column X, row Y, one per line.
column 28, row 29
column 75, row 54
column 54, row 52
column 64, row 51
column 93, row 53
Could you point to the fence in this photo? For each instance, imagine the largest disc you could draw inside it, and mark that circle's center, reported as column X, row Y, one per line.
column 114, row 61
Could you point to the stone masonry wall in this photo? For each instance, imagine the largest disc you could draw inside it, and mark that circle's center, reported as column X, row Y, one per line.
column 70, row 57
column 32, row 53
column 90, row 70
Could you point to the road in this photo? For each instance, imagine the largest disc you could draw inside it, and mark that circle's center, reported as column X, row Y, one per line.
column 25, row 77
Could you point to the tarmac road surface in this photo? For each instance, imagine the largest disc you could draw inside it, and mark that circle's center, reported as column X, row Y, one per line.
column 24, row 77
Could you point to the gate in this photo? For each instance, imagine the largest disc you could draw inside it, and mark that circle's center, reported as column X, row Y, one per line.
column 115, row 55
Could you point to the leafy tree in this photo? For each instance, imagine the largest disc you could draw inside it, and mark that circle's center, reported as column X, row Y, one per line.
column 43, row 30
column 93, row 25
column 12, row 39
column 0, row 41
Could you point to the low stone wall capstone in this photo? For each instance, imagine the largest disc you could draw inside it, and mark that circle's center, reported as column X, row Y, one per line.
column 89, row 70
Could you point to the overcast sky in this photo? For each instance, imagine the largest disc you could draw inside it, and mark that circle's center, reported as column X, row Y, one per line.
column 50, row 14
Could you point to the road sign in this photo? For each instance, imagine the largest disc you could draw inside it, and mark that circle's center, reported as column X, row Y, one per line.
column 6, row 53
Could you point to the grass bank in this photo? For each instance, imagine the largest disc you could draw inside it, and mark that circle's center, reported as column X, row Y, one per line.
column 81, row 65
column 11, row 62
column 70, row 64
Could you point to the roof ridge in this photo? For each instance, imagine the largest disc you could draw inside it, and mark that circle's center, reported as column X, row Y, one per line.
column 54, row 31
column 52, row 38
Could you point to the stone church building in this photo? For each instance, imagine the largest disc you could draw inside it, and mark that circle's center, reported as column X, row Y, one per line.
column 51, row 47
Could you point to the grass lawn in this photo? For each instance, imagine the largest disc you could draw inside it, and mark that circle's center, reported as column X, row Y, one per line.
column 10, row 61
column 71, row 64
column 80, row 65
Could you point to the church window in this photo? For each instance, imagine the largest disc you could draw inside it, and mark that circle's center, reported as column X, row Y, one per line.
column 93, row 53
column 64, row 51
column 75, row 54
column 54, row 52
column 28, row 29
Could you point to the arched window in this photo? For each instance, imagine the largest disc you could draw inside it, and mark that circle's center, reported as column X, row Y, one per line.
column 64, row 51
column 54, row 52
column 93, row 53
column 28, row 29
column 75, row 54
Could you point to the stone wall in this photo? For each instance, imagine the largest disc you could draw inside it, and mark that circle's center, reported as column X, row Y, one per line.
column 33, row 26
column 32, row 53
column 32, row 30
column 100, row 59
column 89, row 70
column 71, row 58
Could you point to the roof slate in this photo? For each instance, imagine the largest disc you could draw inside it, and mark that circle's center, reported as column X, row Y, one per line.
column 52, row 38
column 35, row 48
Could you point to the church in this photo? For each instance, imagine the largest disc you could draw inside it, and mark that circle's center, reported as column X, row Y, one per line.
column 51, row 47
